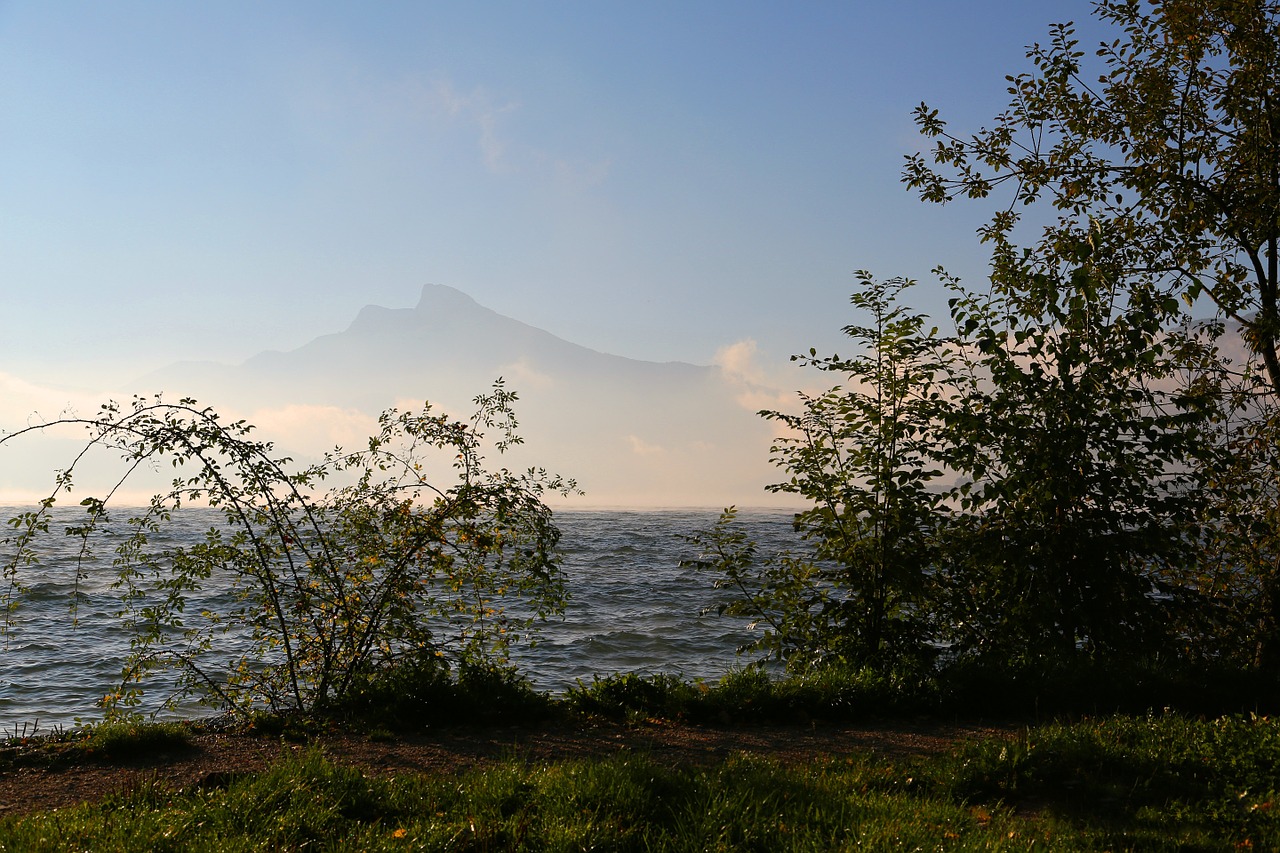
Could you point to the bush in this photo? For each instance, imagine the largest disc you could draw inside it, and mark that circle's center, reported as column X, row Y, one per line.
column 416, row 693
column 400, row 562
column 751, row 695
column 1072, row 688
column 633, row 695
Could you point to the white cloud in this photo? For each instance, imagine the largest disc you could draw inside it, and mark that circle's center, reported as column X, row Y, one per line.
column 478, row 108
column 640, row 447
column 754, row 386
column 521, row 374
column 308, row 430
column 739, row 360
column 342, row 102
column 27, row 404
column 28, row 462
column 582, row 176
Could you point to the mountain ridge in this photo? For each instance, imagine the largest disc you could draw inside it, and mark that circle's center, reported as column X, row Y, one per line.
column 654, row 432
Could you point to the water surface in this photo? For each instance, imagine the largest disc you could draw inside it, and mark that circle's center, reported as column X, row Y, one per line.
column 632, row 609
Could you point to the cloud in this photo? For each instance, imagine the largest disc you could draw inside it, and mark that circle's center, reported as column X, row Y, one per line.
column 342, row 103
column 478, row 108
column 739, row 360
column 640, row 447
column 26, row 404
column 754, row 388
column 581, row 176
column 347, row 107
column 311, row 430
column 28, row 461
column 521, row 374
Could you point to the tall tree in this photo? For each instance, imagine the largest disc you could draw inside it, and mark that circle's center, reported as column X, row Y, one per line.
column 1170, row 142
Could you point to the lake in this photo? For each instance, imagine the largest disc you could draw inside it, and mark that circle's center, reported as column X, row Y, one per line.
column 632, row 609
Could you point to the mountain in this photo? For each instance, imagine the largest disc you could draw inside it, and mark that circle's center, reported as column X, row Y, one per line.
column 631, row 431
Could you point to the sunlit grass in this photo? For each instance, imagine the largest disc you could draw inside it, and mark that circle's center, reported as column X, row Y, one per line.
column 124, row 739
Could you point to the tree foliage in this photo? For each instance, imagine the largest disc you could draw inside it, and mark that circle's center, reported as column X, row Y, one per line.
column 1028, row 489
column 1110, row 483
column 1240, row 573
column 313, row 589
column 862, row 456
column 1077, row 445
column 1172, row 149
column 1161, row 151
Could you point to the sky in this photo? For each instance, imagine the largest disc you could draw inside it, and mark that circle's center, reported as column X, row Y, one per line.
column 658, row 180
column 667, row 181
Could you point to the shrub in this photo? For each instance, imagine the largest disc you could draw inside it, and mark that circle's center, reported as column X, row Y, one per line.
column 632, row 695
column 415, row 693
column 399, row 561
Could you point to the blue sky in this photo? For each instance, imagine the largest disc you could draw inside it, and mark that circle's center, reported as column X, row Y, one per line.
column 657, row 179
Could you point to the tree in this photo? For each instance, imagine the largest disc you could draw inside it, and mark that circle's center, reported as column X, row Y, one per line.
column 1240, row 574
column 862, row 455
column 1171, row 154
column 299, row 593
column 1173, row 149
column 1075, row 442
column 1029, row 490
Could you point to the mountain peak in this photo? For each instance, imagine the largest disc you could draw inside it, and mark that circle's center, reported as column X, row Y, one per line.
column 437, row 297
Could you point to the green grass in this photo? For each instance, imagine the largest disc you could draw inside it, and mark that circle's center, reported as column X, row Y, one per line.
column 625, row 803
column 126, row 739
column 1138, row 778
column 117, row 740
column 1126, row 783
column 840, row 694
column 1165, row 782
column 750, row 695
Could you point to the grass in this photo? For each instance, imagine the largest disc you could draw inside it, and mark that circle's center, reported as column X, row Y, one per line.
column 625, row 803
column 1167, row 783
column 1199, row 780
column 840, row 694
column 127, row 739
column 1146, row 779
column 118, row 740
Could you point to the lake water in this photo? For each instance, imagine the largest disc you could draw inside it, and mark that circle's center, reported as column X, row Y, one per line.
column 632, row 609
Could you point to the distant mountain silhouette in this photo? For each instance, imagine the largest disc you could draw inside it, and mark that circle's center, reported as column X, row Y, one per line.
column 631, row 431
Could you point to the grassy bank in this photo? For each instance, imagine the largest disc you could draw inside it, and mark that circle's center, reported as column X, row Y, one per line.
column 1122, row 783
column 1109, row 774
